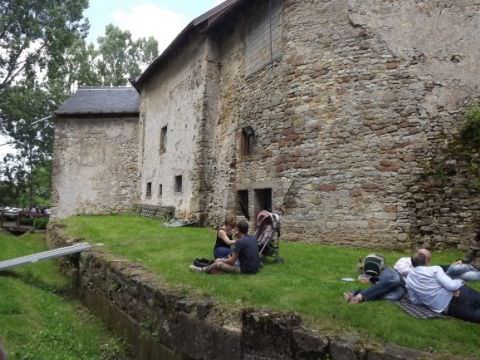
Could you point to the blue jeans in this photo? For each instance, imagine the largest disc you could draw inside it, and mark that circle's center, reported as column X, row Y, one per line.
column 221, row 252
column 466, row 306
column 390, row 286
column 463, row 271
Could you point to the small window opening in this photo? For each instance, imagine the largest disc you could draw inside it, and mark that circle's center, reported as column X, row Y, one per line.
column 263, row 200
column 242, row 202
column 160, row 190
column 148, row 193
column 163, row 140
column 178, row 184
column 247, row 141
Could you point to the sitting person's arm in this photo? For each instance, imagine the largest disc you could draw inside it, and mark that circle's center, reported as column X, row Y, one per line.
column 447, row 282
column 223, row 235
column 232, row 259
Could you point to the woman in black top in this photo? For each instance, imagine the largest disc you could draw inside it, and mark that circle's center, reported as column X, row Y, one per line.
column 224, row 239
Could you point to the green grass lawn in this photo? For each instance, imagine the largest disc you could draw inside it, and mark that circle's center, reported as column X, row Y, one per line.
column 309, row 282
column 36, row 321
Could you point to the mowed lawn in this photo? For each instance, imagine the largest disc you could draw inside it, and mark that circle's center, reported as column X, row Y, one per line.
column 308, row 282
column 36, row 320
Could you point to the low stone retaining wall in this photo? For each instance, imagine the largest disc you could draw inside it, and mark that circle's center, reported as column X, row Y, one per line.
column 161, row 322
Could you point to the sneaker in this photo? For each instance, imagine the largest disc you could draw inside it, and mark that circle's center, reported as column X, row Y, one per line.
column 196, row 268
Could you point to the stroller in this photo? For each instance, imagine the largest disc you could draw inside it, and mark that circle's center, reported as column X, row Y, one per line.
column 268, row 235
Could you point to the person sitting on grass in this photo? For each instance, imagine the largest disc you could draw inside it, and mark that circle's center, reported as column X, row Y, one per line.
column 225, row 239
column 245, row 251
column 430, row 286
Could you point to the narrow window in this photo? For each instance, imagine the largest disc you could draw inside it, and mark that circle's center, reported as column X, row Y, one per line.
column 160, row 190
column 163, row 140
column 263, row 200
column 178, row 184
column 242, row 202
column 149, row 190
column 247, row 141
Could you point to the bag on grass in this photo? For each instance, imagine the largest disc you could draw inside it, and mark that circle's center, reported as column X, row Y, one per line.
column 201, row 262
column 372, row 264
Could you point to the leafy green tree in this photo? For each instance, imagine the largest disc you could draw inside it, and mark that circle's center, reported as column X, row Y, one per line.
column 34, row 33
column 22, row 107
column 120, row 58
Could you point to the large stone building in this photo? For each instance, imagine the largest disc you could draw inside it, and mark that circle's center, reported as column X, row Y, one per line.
column 333, row 111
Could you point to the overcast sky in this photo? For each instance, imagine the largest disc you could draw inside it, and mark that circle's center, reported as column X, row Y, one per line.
column 162, row 19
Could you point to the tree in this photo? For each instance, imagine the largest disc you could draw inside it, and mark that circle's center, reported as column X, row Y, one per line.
column 22, row 107
column 120, row 58
column 33, row 32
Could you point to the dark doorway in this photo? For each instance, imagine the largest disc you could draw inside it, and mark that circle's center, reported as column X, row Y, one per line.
column 242, row 203
column 263, row 199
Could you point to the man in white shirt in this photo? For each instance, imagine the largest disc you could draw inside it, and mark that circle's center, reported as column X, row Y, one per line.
column 430, row 286
column 390, row 284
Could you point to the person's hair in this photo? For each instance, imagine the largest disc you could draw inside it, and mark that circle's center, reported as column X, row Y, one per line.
column 419, row 259
column 243, row 227
column 230, row 221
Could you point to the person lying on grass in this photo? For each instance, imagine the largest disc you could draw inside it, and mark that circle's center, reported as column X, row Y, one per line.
column 430, row 286
column 245, row 251
column 390, row 284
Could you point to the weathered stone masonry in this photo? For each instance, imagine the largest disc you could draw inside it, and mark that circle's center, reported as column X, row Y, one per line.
column 353, row 111
column 95, row 165
column 351, row 101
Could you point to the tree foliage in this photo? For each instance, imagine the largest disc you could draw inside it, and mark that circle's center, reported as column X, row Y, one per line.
column 34, row 33
column 120, row 58
column 43, row 56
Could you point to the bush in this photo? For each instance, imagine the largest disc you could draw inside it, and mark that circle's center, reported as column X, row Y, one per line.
column 26, row 221
column 40, row 223
column 470, row 133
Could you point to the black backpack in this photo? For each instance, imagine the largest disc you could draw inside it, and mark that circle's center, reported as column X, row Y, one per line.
column 373, row 264
column 198, row 262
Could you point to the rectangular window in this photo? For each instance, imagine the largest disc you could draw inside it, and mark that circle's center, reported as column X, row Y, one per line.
column 148, row 193
column 247, row 141
column 178, row 184
column 263, row 36
column 242, row 203
column 263, row 200
column 160, row 190
column 163, row 140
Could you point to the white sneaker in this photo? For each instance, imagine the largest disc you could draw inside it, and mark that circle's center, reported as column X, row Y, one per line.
column 196, row 268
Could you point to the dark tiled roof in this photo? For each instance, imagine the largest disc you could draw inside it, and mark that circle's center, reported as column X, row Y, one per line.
column 101, row 100
column 205, row 20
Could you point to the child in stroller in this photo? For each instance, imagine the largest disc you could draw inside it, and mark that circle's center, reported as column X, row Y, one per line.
column 268, row 235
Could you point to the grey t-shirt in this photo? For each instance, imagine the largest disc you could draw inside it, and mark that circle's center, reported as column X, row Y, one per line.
column 247, row 250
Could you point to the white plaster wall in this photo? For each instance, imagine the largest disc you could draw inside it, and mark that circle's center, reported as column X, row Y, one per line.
column 95, row 166
column 173, row 98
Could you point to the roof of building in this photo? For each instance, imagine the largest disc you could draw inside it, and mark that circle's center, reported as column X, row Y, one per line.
column 101, row 100
column 205, row 20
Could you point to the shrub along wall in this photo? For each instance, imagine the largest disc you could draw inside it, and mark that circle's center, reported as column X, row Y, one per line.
column 161, row 322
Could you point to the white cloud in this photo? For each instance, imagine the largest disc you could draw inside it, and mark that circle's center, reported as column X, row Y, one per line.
column 151, row 20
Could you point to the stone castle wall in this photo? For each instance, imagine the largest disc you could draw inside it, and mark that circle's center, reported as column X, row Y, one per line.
column 173, row 99
column 95, row 165
column 353, row 112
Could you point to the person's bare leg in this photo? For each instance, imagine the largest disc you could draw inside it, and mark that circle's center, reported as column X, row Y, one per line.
column 223, row 267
